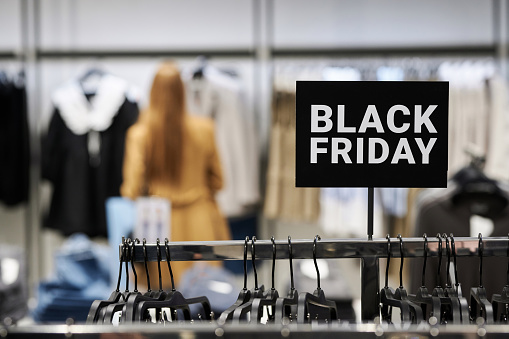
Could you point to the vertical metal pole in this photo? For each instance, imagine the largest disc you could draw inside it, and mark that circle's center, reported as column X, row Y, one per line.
column 371, row 207
column 500, row 27
column 263, row 21
column 30, row 39
column 369, row 288
column 262, row 95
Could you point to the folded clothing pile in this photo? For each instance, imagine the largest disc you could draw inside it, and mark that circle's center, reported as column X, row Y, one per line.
column 82, row 276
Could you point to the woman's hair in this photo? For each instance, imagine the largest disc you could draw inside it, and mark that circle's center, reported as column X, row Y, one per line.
column 165, row 118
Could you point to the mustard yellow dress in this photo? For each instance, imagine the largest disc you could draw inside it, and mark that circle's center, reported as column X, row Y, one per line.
column 195, row 215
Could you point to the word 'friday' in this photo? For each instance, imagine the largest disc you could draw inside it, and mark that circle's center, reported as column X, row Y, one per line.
column 340, row 146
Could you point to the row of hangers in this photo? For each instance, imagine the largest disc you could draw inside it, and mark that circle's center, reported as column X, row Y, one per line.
column 153, row 306
column 459, row 70
column 254, row 306
column 257, row 306
column 445, row 304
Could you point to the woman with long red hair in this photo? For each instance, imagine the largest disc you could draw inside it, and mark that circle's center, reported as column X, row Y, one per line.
column 172, row 154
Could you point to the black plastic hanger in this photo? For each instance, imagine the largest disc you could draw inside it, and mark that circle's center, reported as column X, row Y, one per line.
column 464, row 309
column 415, row 315
column 454, row 314
column 438, row 290
column 449, row 311
column 111, row 310
column 258, row 292
column 315, row 306
column 500, row 301
column 131, row 307
column 388, row 298
column 116, row 296
column 270, row 298
column 161, row 294
column 429, row 304
column 174, row 301
column 287, row 307
column 244, row 294
column 479, row 303
column 158, row 248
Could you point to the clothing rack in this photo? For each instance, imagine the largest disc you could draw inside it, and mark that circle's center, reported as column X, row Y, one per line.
column 133, row 53
column 369, row 251
column 9, row 55
column 387, row 51
column 483, row 50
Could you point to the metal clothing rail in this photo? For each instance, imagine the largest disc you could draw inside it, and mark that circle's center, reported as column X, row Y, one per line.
column 325, row 249
column 369, row 251
column 420, row 51
column 143, row 53
column 10, row 55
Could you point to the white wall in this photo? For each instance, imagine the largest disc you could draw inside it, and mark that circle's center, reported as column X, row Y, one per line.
column 194, row 24
column 153, row 24
column 10, row 25
column 382, row 23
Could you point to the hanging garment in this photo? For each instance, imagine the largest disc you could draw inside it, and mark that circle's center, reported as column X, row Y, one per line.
column 470, row 112
column 344, row 212
column 283, row 200
column 195, row 215
column 83, row 152
column 14, row 141
column 497, row 154
column 219, row 96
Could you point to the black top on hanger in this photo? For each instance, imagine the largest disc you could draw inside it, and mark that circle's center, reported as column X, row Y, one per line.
column 481, row 194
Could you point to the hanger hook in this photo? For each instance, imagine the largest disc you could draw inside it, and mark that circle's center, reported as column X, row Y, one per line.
column 245, row 262
column 273, row 260
column 402, row 259
column 168, row 259
column 146, row 263
column 402, row 254
column 508, row 262
column 253, row 259
column 423, row 279
column 481, row 250
column 453, row 250
column 317, row 237
column 121, row 259
column 132, row 265
column 439, row 280
column 448, row 251
column 290, row 256
column 158, row 247
column 127, row 256
column 388, row 237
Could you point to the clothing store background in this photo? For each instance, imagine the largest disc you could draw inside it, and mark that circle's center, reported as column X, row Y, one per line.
column 54, row 41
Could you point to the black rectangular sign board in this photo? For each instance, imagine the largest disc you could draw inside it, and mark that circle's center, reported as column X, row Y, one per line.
column 371, row 133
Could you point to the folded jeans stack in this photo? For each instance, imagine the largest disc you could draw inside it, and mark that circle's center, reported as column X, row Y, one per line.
column 82, row 276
